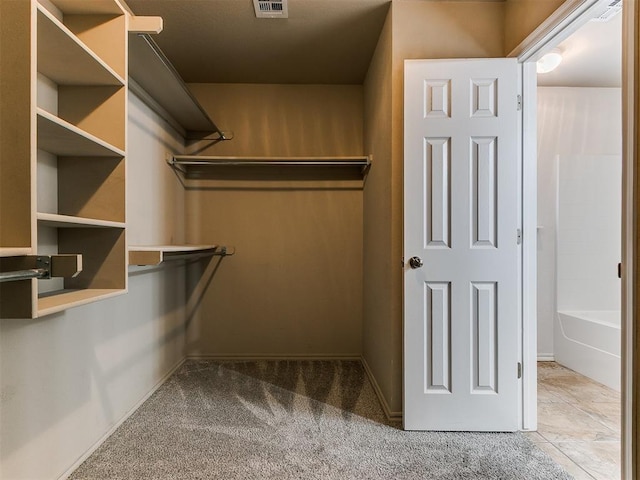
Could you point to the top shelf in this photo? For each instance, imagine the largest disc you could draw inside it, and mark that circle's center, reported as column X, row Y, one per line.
column 63, row 58
column 152, row 72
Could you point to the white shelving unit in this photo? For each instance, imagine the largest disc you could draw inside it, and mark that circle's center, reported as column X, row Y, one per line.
column 63, row 152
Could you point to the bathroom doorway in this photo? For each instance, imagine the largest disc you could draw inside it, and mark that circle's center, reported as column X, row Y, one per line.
column 579, row 225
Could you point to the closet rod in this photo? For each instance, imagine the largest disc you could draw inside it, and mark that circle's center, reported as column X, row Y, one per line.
column 24, row 274
column 167, row 64
column 193, row 160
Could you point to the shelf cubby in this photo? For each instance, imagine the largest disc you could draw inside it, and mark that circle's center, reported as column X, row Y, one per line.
column 66, row 60
column 89, row 188
column 96, row 110
column 104, row 256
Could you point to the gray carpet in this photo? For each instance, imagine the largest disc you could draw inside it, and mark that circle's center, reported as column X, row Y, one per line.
column 291, row 420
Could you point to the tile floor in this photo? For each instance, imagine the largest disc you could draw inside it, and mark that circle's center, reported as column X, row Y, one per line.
column 578, row 423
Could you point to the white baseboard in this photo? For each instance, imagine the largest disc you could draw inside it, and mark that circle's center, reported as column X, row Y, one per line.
column 102, row 439
column 258, row 356
column 391, row 416
column 546, row 357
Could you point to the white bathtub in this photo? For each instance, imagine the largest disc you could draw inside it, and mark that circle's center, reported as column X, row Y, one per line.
column 589, row 343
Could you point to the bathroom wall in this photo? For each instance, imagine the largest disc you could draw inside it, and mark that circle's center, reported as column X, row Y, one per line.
column 588, row 230
column 67, row 379
column 582, row 128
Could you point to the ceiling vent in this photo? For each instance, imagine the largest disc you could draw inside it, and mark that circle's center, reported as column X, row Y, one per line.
column 614, row 8
column 271, row 8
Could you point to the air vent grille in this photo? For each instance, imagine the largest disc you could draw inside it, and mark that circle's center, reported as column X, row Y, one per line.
column 614, row 8
column 271, row 8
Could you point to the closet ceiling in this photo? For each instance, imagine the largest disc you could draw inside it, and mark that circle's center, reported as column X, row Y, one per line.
column 221, row 41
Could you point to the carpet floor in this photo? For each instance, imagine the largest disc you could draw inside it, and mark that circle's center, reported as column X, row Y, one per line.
column 291, row 420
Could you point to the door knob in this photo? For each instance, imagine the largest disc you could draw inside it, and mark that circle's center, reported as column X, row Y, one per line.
column 415, row 262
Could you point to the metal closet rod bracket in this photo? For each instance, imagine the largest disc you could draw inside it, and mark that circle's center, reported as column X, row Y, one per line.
column 25, row 267
column 224, row 251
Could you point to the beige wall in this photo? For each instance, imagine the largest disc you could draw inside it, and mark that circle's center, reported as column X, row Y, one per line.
column 294, row 286
column 417, row 29
column 380, row 331
column 522, row 17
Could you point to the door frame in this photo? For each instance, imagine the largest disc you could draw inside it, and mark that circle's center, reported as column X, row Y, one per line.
column 568, row 18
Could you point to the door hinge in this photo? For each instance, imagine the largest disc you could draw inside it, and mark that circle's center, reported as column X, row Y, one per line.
column 519, row 236
column 519, row 102
column 519, row 370
column 619, row 270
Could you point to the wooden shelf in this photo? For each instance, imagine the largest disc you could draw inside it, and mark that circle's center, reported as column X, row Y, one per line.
column 70, row 57
column 53, row 302
column 63, row 58
column 156, row 254
column 94, row 7
column 14, row 251
column 67, row 221
column 64, row 139
column 153, row 73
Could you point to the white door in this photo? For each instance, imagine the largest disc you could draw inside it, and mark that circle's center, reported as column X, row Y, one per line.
column 461, row 318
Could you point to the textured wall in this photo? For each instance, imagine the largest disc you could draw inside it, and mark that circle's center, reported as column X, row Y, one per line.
column 294, row 286
column 523, row 16
column 380, row 327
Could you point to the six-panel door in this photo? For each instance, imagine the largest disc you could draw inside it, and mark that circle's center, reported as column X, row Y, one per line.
column 461, row 218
